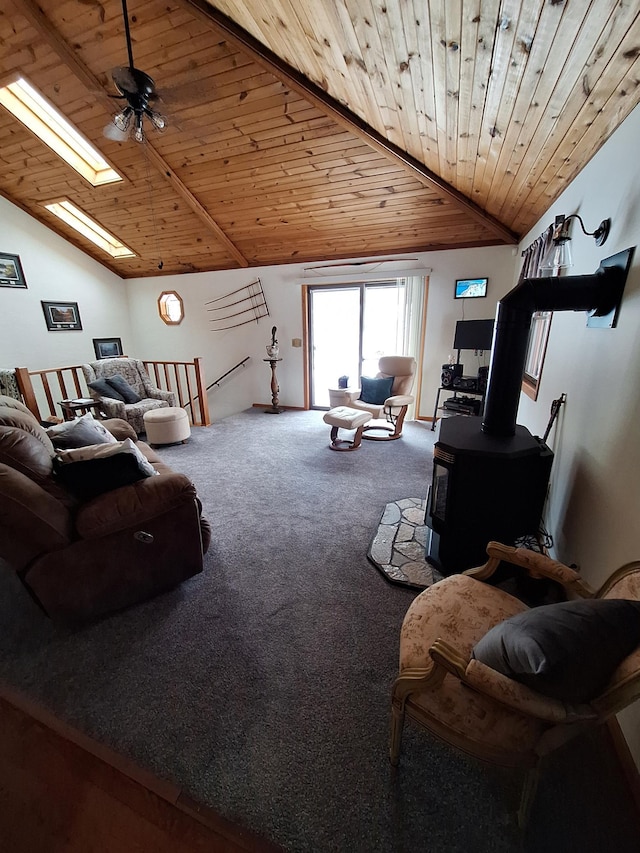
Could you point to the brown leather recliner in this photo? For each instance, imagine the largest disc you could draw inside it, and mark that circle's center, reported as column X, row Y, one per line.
column 81, row 559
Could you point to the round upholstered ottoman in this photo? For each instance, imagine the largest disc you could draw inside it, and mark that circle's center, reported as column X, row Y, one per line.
column 167, row 426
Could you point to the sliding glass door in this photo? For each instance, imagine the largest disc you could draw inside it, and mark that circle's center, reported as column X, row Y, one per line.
column 351, row 326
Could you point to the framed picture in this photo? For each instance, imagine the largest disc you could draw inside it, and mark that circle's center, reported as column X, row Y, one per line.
column 61, row 316
column 11, row 274
column 107, row 347
column 467, row 288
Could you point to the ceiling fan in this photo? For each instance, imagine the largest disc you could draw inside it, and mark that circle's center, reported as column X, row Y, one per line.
column 138, row 90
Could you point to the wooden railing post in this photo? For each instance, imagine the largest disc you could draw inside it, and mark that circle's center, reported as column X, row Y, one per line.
column 201, row 389
column 26, row 389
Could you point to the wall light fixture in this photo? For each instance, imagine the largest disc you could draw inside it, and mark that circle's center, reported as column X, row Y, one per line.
column 558, row 255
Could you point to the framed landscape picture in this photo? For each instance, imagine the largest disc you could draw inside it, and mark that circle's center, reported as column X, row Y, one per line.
column 107, row 347
column 11, row 274
column 61, row 316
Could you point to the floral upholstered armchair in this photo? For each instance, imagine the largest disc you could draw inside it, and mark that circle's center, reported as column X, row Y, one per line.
column 124, row 389
column 507, row 683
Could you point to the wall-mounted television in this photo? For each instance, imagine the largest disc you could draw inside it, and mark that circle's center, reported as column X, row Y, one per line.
column 470, row 288
column 473, row 334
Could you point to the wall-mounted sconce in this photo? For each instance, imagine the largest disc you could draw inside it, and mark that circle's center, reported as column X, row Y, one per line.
column 558, row 255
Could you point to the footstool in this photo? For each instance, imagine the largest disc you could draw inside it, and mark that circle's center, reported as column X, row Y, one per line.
column 167, row 426
column 342, row 417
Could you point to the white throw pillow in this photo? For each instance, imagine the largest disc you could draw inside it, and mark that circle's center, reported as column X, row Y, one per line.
column 80, row 432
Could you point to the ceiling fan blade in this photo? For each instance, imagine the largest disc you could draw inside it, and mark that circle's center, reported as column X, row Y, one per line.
column 191, row 93
column 124, row 80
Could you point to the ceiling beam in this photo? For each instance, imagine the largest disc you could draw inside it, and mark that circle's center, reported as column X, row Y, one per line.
column 185, row 193
column 242, row 40
column 36, row 17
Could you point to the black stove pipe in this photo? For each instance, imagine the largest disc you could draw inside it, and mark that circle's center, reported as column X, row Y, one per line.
column 598, row 293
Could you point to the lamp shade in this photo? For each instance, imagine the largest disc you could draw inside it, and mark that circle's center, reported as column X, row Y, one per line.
column 558, row 255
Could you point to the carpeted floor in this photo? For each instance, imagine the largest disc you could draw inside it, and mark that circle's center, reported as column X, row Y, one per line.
column 262, row 686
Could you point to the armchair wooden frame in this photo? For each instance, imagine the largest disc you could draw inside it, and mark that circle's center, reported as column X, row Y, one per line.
column 560, row 723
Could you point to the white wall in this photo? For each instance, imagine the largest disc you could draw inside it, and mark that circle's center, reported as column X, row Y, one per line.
column 594, row 504
column 55, row 270
column 282, row 286
column 499, row 265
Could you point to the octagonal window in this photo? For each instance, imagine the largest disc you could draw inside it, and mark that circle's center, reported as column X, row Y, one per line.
column 170, row 307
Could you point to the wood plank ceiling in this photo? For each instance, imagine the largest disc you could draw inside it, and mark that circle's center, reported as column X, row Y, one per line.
column 304, row 130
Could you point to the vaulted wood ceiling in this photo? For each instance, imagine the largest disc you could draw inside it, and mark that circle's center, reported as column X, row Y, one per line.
column 302, row 130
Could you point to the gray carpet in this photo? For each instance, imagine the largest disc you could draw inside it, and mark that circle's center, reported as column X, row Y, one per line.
column 262, row 685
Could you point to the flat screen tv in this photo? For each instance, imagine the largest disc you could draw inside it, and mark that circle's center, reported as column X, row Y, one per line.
column 469, row 288
column 473, row 334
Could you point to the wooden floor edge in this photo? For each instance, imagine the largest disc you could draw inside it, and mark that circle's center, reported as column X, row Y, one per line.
column 161, row 788
column 627, row 764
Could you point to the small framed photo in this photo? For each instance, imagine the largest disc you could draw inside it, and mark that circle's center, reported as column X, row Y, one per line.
column 11, row 274
column 61, row 316
column 107, row 347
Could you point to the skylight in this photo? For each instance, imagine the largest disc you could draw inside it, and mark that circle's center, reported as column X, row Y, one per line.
column 74, row 217
column 49, row 125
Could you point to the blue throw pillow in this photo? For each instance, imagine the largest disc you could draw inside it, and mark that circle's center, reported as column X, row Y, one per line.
column 567, row 650
column 375, row 391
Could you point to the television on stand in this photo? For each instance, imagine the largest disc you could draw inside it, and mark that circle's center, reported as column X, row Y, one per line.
column 473, row 334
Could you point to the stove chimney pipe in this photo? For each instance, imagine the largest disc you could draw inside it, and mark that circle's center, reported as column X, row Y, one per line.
column 599, row 293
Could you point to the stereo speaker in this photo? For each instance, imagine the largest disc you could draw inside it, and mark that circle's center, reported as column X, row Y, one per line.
column 483, row 378
column 449, row 373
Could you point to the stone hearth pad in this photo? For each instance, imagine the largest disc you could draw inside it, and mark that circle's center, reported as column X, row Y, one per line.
column 398, row 546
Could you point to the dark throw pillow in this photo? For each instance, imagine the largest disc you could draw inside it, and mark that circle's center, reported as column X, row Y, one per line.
column 105, row 390
column 568, row 650
column 90, row 471
column 120, row 384
column 375, row 391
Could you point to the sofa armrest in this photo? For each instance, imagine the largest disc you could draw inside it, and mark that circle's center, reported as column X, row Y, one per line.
column 112, row 408
column 31, row 520
column 135, row 504
column 521, row 698
column 120, row 429
column 168, row 396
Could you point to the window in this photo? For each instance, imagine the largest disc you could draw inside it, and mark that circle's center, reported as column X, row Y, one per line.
column 170, row 307
column 541, row 320
column 49, row 125
column 536, row 348
column 84, row 225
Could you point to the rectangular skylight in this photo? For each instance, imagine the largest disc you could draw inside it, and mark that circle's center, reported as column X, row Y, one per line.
column 49, row 125
column 74, row 217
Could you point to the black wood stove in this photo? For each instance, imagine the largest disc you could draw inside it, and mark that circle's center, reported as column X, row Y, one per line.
column 490, row 476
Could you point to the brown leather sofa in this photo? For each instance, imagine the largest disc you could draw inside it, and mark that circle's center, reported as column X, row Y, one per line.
column 81, row 559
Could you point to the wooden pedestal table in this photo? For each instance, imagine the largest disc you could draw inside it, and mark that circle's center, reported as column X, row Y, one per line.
column 275, row 407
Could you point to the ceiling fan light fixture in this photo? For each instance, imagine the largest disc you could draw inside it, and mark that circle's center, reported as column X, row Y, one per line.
column 157, row 120
column 138, row 133
column 123, row 119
